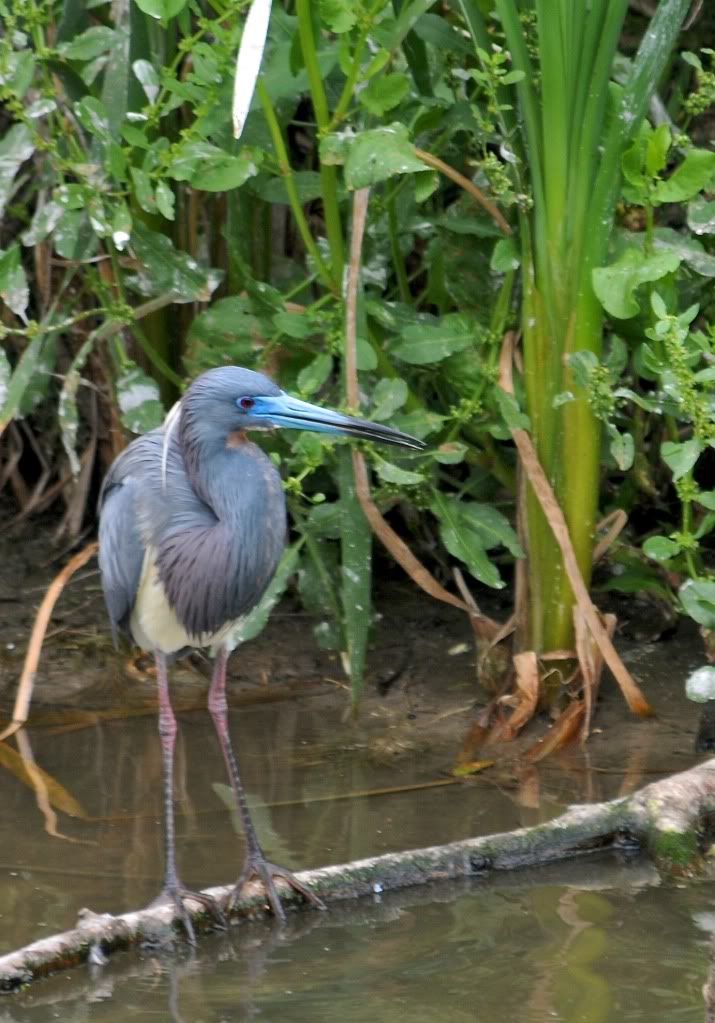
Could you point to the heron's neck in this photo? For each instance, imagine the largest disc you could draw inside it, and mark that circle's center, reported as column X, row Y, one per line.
column 217, row 461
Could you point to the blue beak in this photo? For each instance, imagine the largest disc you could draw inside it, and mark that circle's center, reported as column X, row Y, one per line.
column 290, row 413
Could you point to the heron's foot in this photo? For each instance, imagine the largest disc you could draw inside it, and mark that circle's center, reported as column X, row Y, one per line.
column 257, row 866
column 174, row 894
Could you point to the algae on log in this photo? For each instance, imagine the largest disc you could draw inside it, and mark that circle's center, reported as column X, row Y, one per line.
column 666, row 818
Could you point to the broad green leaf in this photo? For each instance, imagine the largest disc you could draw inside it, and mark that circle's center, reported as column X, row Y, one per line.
column 294, row 324
column 701, row 215
column 143, row 189
column 505, row 256
column 411, row 11
column 161, row 9
column 623, row 449
column 211, row 169
column 147, row 77
column 394, row 474
column 139, row 402
column 661, row 548
column 698, row 598
column 493, row 527
column 170, row 270
column 389, row 395
column 19, row 381
column 450, row 453
column 164, row 200
column 226, row 332
column 384, row 92
column 510, row 411
column 43, row 223
column 92, row 42
column 365, row 355
column 73, row 237
column 656, row 153
column 312, row 377
column 121, row 226
column 707, row 499
column 41, row 379
column 273, row 189
column 680, row 458
column 339, row 15
column 14, row 290
column 422, row 344
column 689, row 178
column 464, row 542
column 379, row 154
column 16, row 147
column 687, row 248
column 420, row 423
column 615, row 285
column 254, row 622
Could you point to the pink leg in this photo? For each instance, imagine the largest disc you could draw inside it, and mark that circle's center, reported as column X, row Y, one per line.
column 256, row 864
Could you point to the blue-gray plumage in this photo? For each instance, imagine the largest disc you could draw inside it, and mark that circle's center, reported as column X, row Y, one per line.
column 192, row 527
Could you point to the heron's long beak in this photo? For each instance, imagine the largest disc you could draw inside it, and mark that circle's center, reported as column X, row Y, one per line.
column 291, row 413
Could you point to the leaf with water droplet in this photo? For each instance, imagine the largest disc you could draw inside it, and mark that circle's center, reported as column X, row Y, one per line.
column 379, row 154
column 14, row 289
column 139, row 402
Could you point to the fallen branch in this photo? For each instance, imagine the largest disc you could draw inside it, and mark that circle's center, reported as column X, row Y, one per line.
column 664, row 818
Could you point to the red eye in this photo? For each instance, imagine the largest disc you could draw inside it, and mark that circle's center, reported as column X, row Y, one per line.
column 246, row 404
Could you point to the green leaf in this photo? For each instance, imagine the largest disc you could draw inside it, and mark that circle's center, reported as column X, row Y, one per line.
column 163, row 9
column 510, row 411
column 698, row 599
column 211, row 169
column 615, row 285
column 394, row 474
column 701, row 215
column 164, row 200
column 691, row 177
column 96, row 40
column 27, row 366
column 272, row 189
column 656, row 153
column 505, row 256
column 384, row 92
column 254, row 622
column 225, row 332
column 450, row 453
column 170, row 270
column 689, row 250
column 379, row 154
column 707, row 499
column 14, row 290
column 623, row 449
column 43, row 223
column 389, row 395
column 680, row 458
column 5, row 374
column 493, row 527
column 339, row 15
column 16, row 147
column 422, row 344
column 365, row 355
column 294, row 324
column 67, row 413
column 139, row 402
column 463, row 542
column 312, row 377
column 661, row 548
column 143, row 189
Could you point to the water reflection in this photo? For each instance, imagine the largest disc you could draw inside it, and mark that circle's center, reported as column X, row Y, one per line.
column 594, row 942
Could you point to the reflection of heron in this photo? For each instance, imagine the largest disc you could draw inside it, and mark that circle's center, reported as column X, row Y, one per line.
column 192, row 526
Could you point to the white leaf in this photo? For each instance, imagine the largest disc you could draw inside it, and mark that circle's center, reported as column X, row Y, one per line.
column 248, row 62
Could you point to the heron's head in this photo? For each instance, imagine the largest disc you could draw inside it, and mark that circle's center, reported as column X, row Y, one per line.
column 231, row 399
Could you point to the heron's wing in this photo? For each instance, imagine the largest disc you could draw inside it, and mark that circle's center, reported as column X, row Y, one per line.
column 121, row 545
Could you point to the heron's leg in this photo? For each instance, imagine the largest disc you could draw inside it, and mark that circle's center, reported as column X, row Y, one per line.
column 172, row 889
column 256, row 864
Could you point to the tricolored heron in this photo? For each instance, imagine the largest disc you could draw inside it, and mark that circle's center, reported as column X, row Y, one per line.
column 192, row 527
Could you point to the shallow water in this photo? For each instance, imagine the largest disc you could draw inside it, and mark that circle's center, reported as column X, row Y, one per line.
column 587, row 941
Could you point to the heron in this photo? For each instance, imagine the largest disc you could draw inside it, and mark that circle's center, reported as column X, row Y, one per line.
column 193, row 523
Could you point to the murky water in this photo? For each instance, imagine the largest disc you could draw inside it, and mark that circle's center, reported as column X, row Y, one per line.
column 587, row 942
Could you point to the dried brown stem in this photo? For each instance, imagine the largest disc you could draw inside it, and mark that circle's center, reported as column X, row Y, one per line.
column 467, row 185
column 32, row 657
column 555, row 517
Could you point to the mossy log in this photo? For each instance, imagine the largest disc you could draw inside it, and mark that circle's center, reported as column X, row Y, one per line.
column 667, row 819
